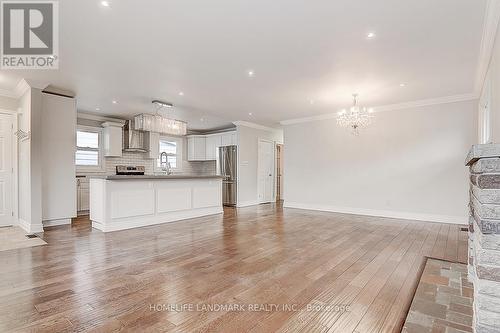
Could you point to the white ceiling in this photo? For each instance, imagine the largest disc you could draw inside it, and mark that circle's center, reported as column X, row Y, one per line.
column 136, row 51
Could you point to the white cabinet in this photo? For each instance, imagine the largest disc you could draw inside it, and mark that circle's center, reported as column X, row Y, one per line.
column 57, row 145
column 204, row 147
column 83, row 195
column 228, row 139
column 154, row 145
column 196, row 148
column 213, row 142
column 113, row 139
column 125, row 204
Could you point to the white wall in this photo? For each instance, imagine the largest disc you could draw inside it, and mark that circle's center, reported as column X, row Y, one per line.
column 407, row 164
column 8, row 103
column 43, row 159
column 29, row 162
column 491, row 91
column 248, row 148
column 58, row 159
column 24, row 162
column 36, row 160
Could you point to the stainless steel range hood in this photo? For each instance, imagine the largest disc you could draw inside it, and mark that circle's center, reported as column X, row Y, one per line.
column 133, row 141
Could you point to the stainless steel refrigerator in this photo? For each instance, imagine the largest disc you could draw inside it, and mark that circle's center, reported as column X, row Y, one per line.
column 226, row 167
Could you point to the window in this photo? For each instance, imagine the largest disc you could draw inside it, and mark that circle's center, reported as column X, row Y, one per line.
column 173, row 148
column 88, row 150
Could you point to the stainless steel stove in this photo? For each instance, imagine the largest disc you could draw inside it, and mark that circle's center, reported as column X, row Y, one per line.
column 128, row 170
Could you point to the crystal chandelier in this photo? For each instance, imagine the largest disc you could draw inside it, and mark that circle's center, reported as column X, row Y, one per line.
column 158, row 123
column 355, row 117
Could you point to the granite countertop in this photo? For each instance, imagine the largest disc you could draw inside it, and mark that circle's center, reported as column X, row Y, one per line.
column 153, row 177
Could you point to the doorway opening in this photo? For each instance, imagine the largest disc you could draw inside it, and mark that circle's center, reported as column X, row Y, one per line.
column 279, row 172
column 6, row 170
column 266, row 171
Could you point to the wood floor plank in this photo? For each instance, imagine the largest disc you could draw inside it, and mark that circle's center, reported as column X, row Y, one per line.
column 439, row 249
column 85, row 280
column 463, row 246
column 373, row 319
column 451, row 252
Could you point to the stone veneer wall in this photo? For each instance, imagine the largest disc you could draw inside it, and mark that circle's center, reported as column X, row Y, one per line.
column 484, row 235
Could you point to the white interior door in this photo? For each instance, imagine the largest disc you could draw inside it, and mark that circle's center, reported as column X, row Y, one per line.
column 5, row 170
column 266, row 171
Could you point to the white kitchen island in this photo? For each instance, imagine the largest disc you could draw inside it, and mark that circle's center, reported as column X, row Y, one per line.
column 124, row 202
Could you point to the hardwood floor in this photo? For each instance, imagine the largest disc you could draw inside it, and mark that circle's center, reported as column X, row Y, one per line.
column 296, row 261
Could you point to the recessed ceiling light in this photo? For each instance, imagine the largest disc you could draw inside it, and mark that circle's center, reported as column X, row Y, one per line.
column 105, row 3
column 115, row 102
column 402, row 85
column 311, row 101
column 98, row 109
column 181, row 93
column 371, row 35
column 251, row 73
column 250, row 113
column 202, row 120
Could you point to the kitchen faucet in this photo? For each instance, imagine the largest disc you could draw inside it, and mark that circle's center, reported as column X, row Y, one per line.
column 165, row 166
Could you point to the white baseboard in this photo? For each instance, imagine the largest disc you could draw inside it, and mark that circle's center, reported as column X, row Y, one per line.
column 380, row 213
column 28, row 227
column 144, row 221
column 23, row 224
column 247, row 204
column 53, row 223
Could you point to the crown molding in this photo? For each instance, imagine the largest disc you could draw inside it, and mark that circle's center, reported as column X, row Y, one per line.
column 254, row 125
column 7, row 93
column 490, row 27
column 113, row 124
column 21, row 87
column 37, row 84
column 50, row 89
column 392, row 107
column 427, row 102
column 97, row 117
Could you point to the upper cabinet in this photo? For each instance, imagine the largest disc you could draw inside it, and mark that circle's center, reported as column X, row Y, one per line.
column 196, row 148
column 204, row 147
column 228, row 139
column 113, row 139
column 212, row 144
column 153, row 141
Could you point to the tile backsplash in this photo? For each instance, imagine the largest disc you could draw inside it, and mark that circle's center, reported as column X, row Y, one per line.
column 128, row 158
column 202, row 167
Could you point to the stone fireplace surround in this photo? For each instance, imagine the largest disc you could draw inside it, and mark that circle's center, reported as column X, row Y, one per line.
column 484, row 235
